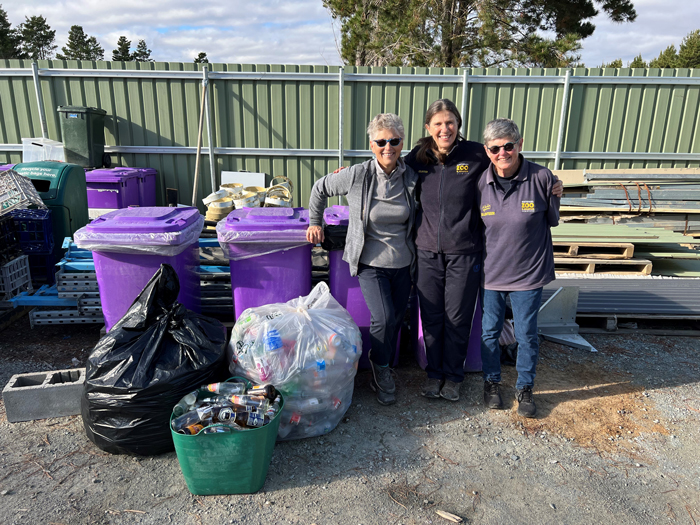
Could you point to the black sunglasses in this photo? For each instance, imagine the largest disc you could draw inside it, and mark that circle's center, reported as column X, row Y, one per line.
column 382, row 142
column 508, row 146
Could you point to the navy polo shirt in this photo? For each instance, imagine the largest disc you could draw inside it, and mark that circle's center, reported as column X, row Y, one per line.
column 518, row 252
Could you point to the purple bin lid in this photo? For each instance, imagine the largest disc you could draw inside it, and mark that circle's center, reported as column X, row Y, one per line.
column 145, row 172
column 337, row 215
column 144, row 220
column 110, row 175
column 267, row 219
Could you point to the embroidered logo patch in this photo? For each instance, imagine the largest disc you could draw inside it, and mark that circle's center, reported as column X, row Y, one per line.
column 486, row 210
column 462, row 168
column 528, row 206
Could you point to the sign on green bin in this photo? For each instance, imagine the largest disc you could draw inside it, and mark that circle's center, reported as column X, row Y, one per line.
column 83, row 131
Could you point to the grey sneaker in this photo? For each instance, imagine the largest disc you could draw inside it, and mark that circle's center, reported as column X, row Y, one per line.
column 526, row 403
column 431, row 388
column 450, row 390
column 383, row 379
column 492, row 395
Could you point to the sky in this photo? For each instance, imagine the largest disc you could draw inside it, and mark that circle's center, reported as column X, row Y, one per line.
column 302, row 31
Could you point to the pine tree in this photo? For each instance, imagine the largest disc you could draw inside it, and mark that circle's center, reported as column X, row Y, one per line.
column 201, row 59
column 123, row 51
column 638, row 62
column 37, row 38
column 80, row 46
column 9, row 39
column 617, row 63
column 668, row 58
column 142, row 53
column 689, row 52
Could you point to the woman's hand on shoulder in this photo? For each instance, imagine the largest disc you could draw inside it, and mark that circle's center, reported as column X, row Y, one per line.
column 314, row 234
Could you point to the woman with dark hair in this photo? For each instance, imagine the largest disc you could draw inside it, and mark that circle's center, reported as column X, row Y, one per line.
column 449, row 244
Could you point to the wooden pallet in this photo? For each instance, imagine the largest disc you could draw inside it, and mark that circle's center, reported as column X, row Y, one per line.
column 594, row 250
column 611, row 266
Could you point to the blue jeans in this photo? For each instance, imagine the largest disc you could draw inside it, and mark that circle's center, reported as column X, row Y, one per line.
column 525, row 306
column 386, row 292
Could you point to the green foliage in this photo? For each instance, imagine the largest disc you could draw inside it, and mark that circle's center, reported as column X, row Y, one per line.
column 667, row 58
column 615, row 63
column 453, row 33
column 37, row 38
column 142, row 53
column 9, row 39
column 123, row 51
column 81, row 47
column 201, row 59
column 689, row 52
column 638, row 62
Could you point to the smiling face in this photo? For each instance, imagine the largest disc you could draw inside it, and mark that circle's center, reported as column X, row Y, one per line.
column 505, row 162
column 389, row 155
column 443, row 128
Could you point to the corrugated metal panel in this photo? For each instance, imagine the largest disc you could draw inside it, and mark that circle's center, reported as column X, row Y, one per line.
column 295, row 113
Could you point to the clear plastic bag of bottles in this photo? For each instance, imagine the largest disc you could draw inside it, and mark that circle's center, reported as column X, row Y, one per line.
column 308, row 348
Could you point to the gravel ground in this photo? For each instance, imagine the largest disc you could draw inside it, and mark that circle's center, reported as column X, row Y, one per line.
column 616, row 440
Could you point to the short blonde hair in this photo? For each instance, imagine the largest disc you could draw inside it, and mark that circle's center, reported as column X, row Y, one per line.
column 384, row 121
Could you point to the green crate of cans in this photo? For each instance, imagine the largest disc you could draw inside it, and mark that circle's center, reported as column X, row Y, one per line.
column 220, row 460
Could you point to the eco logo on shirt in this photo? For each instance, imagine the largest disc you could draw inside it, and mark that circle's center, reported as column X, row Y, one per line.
column 485, row 210
column 528, row 206
column 462, row 168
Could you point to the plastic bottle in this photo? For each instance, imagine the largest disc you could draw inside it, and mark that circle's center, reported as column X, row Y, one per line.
column 257, row 402
column 225, row 388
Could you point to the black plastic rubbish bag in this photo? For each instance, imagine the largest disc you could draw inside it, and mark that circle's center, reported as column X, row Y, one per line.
column 156, row 354
column 334, row 237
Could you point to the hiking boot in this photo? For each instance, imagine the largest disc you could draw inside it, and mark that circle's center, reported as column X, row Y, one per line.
column 382, row 381
column 492, row 395
column 431, row 388
column 526, row 404
column 450, row 390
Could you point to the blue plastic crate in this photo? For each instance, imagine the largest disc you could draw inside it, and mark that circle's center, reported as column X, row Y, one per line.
column 33, row 230
column 42, row 267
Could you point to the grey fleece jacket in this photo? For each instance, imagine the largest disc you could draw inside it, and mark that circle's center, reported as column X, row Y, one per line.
column 357, row 184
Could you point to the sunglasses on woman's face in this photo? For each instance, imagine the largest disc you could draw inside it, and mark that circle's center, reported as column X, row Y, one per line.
column 382, row 142
column 508, row 146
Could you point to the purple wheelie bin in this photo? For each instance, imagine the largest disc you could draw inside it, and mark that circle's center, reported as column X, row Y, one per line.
column 112, row 188
column 472, row 363
column 346, row 288
column 270, row 258
column 147, row 186
column 129, row 246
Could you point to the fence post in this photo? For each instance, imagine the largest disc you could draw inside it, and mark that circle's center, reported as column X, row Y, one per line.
column 210, row 137
column 465, row 93
column 341, row 111
column 562, row 117
column 39, row 100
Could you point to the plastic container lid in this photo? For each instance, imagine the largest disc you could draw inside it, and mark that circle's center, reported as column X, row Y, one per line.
column 144, row 220
column 110, row 175
column 337, row 215
column 267, row 219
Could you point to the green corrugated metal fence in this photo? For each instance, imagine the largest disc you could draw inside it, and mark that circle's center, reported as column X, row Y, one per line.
column 285, row 120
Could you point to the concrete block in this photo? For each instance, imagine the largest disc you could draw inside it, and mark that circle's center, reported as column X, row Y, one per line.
column 40, row 395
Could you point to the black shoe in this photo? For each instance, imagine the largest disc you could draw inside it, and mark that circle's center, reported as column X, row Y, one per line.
column 431, row 388
column 382, row 379
column 450, row 390
column 526, row 404
column 492, row 395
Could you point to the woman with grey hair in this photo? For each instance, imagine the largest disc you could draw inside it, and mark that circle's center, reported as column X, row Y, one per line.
column 379, row 246
column 518, row 210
